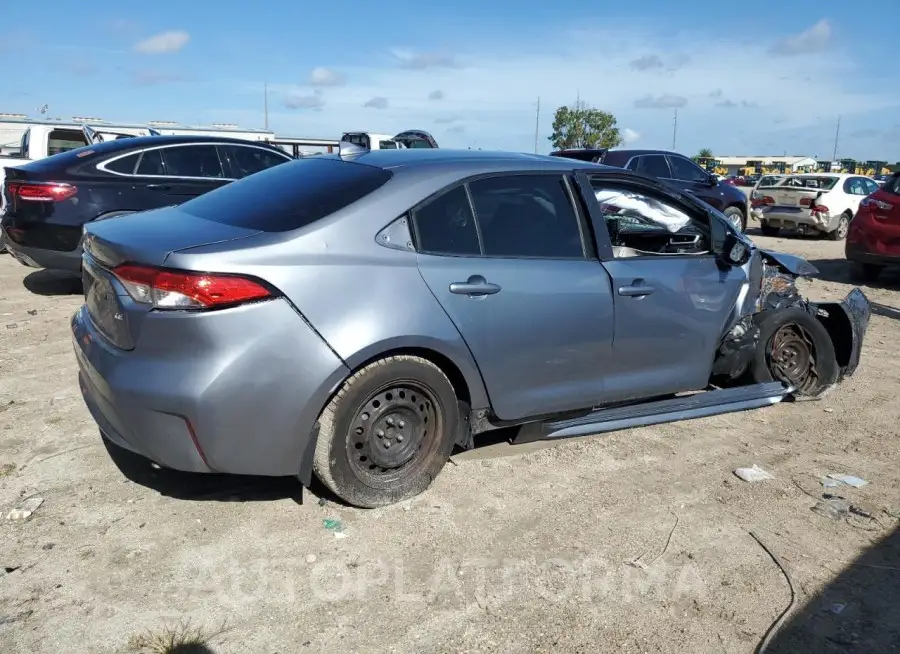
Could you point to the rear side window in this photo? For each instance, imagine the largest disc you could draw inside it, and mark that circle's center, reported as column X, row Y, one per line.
column 193, row 161
column 446, row 225
column 526, row 216
column 124, row 165
column 151, row 163
column 64, row 140
column 289, row 197
column 247, row 161
column 654, row 165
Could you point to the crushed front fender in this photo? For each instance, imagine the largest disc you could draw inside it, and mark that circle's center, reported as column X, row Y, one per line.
column 847, row 322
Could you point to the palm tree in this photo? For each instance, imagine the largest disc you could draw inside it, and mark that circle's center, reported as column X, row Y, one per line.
column 705, row 153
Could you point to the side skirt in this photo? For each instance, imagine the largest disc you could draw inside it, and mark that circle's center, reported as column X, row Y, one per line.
column 698, row 405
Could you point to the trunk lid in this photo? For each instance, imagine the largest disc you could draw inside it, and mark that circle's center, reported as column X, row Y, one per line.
column 146, row 238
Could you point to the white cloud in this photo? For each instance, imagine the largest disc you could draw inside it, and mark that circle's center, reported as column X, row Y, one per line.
column 629, row 136
column 416, row 60
column 436, row 95
column 647, row 62
column 495, row 94
column 163, row 43
column 296, row 100
column 812, row 40
column 325, row 77
column 378, row 102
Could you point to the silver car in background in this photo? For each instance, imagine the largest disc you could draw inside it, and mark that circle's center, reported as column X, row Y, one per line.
column 359, row 316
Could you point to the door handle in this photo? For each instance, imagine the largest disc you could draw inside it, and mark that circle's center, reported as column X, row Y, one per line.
column 475, row 286
column 637, row 289
column 159, row 187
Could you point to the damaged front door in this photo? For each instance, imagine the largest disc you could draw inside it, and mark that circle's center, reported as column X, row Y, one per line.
column 672, row 297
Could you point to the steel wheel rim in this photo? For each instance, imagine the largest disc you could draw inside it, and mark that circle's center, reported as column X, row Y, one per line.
column 843, row 227
column 792, row 357
column 394, row 432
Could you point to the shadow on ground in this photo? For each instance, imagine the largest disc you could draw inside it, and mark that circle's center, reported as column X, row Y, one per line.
column 53, row 282
column 858, row 612
column 204, row 487
column 844, row 272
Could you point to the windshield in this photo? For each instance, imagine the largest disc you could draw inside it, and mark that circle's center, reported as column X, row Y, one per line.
column 818, row 182
column 770, row 180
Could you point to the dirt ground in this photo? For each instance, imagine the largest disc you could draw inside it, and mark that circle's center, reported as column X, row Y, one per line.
column 636, row 541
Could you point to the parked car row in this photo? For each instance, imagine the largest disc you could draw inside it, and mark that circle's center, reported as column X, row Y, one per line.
column 242, row 328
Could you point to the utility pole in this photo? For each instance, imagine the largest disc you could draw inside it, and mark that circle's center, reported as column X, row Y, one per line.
column 674, row 129
column 837, row 133
column 266, row 102
column 537, row 122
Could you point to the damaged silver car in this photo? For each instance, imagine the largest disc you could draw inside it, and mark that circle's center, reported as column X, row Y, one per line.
column 359, row 316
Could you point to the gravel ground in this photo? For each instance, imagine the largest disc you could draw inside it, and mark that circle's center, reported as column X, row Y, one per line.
column 633, row 541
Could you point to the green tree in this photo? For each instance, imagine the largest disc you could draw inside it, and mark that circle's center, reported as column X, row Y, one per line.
column 705, row 153
column 581, row 126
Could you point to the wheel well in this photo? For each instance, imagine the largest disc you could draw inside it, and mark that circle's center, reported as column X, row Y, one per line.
column 839, row 328
column 457, row 379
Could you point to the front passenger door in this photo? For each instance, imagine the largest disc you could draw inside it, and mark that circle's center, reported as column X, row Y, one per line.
column 692, row 178
column 515, row 278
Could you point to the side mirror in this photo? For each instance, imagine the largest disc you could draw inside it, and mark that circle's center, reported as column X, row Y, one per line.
column 735, row 252
column 713, row 179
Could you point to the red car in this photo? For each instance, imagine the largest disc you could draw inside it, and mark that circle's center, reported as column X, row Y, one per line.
column 873, row 241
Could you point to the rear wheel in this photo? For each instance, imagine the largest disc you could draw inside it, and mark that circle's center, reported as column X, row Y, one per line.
column 795, row 349
column 736, row 217
column 388, row 432
column 843, row 226
column 769, row 230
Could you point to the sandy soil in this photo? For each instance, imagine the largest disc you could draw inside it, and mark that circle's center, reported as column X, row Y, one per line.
column 568, row 547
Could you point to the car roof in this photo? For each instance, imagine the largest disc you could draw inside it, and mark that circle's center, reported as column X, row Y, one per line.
column 468, row 159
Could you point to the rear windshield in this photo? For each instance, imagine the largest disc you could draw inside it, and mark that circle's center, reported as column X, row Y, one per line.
column 289, row 196
column 71, row 157
column 818, row 182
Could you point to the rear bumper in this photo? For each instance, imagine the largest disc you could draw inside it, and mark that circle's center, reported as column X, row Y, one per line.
column 234, row 391
column 51, row 259
column 790, row 218
column 861, row 255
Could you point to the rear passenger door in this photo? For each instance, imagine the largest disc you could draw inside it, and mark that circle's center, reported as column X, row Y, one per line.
column 690, row 177
column 507, row 258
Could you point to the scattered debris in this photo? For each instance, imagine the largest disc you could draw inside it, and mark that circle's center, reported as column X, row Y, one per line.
column 48, row 546
column 25, row 509
column 836, row 608
column 11, row 325
column 181, row 637
column 322, row 501
column 753, row 474
column 637, row 563
column 6, row 468
column 773, row 629
column 7, row 619
column 310, row 558
column 834, row 508
column 32, row 312
column 850, row 480
column 335, row 527
column 827, row 482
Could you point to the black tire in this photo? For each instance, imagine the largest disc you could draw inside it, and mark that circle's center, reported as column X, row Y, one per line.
column 736, row 217
column 867, row 272
column 404, row 402
column 840, row 232
column 784, row 330
column 769, row 230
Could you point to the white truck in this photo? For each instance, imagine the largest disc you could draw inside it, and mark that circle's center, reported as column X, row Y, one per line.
column 413, row 138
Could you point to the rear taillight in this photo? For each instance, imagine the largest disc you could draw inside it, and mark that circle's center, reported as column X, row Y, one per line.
column 805, row 202
column 872, row 203
column 174, row 289
column 40, row 191
column 769, row 200
column 819, row 208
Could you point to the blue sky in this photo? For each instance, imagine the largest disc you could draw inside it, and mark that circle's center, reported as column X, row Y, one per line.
column 768, row 80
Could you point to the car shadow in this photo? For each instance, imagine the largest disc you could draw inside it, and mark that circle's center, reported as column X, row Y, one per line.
column 844, row 272
column 857, row 612
column 53, row 282
column 203, row 487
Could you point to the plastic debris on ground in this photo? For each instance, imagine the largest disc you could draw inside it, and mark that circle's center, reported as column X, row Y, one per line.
column 828, row 482
column 850, row 480
column 834, row 508
column 25, row 509
column 837, row 607
column 753, row 474
column 335, row 527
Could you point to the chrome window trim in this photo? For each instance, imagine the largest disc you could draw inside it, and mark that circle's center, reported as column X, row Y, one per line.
column 102, row 166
